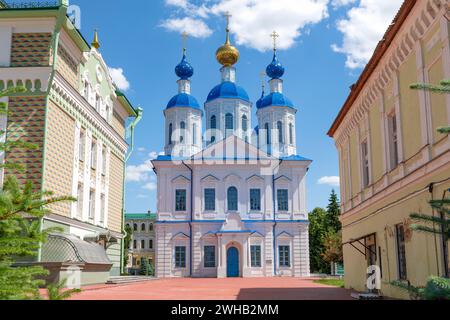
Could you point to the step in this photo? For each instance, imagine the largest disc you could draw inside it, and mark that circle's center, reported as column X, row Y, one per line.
column 131, row 279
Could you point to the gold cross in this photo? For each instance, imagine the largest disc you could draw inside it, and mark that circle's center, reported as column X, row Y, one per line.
column 228, row 16
column 184, row 35
column 274, row 35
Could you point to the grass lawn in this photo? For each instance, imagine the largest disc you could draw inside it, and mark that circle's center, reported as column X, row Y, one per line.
column 331, row 282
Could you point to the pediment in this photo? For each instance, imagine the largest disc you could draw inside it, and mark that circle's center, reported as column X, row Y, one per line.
column 180, row 236
column 257, row 234
column 283, row 178
column 180, row 179
column 284, row 234
column 210, row 178
column 209, row 235
column 255, row 178
column 231, row 148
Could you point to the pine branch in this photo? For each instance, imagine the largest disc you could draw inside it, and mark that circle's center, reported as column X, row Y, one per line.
column 429, row 219
column 430, row 87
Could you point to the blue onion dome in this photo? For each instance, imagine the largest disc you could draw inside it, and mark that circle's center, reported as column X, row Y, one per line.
column 275, row 70
column 275, row 99
column 259, row 102
column 228, row 90
column 183, row 100
column 184, row 70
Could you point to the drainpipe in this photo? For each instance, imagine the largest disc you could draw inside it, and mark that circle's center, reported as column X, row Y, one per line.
column 274, row 222
column 131, row 127
column 190, row 217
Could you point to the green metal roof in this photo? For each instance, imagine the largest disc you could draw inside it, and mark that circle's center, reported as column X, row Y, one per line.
column 140, row 216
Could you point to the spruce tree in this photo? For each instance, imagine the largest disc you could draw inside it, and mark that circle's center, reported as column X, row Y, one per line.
column 334, row 213
column 21, row 213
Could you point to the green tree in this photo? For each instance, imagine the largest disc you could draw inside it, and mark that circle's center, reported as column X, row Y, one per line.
column 21, row 234
column 442, row 88
column 317, row 233
column 333, row 247
column 323, row 223
column 126, row 245
column 334, row 213
column 59, row 292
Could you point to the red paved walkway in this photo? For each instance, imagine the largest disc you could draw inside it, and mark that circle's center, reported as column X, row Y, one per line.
column 217, row 289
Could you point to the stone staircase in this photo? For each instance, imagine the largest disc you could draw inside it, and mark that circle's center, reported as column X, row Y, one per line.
column 129, row 279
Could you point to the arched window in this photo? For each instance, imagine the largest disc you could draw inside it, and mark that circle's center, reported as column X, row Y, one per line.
column 150, row 227
column 213, row 122
column 135, row 227
column 182, row 131
column 280, row 131
column 213, row 139
column 134, row 244
column 142, row 244
column 291, row 133
column 194, row 133
column 229, row 122
column 267, row 129
column 232, row 199
column 170, row 133
column 143, row 227
column 244, row 123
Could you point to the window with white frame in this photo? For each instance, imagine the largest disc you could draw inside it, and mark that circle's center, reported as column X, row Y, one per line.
column 150, row 244
column 393, row 141
column 210, row 199
column 104, row 160
column 255, row 199
column 98, row 103
column 102, row 208
column 91, row 204
column 180, row 257
column 284, row 256
column 94, row 154
column 180, row 200
column 280, row 131
column 232, row 199
column 365, row 164
column 255, row 255
column 86, row 90
column 82, row 144
column 80, row 201
column 291, row 133
column 210, row 256
column 182, row 131
column 283, row 199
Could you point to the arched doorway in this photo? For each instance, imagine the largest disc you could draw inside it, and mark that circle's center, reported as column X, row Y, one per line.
column 233, row 262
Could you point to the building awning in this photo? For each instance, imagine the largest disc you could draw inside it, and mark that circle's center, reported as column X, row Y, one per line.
column 363, row 243
column 68, row 248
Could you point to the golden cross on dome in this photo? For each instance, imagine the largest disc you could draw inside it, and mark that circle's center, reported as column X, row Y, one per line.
column 274, row 35
column 228, row 15
column 184, row 36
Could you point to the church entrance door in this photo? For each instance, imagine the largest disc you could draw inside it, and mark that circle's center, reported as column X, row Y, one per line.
column 233, row 262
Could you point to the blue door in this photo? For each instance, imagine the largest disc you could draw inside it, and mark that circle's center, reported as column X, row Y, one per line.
column 233, row 263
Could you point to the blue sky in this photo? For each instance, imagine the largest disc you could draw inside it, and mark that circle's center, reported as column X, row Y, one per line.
column 324, row 44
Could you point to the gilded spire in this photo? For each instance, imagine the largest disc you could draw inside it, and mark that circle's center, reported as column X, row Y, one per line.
column 95, row 42
column 227, row 55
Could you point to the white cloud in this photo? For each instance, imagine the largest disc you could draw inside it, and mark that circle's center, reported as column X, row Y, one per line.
column 119, row 78
column 253, row 20
column 177, row 3
column 341, row 3
column 139, row 173
column 142, row 172
column 151, row 186
column 333, row 181
column 363, row 28
column 194, row 27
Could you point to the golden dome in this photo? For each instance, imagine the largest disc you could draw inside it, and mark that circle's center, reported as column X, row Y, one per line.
column 227, row 55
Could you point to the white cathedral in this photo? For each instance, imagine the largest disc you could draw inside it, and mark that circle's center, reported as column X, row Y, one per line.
column 231, row 201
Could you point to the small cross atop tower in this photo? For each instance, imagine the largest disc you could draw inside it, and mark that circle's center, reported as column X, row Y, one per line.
column 274, row 35
column 184, row 36
column 228, row 15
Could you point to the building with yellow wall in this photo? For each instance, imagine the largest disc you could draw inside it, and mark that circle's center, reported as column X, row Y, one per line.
column 392, row 160
column 75, row 116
